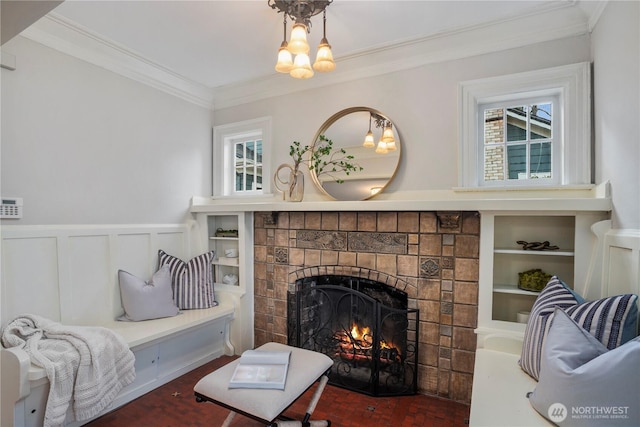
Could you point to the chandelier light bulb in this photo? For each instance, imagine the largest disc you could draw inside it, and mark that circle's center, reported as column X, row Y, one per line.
column 382, row 147
column 285, row 60
column 368, row 140
column 387, row 134
column 301, row 67
column 298, row 42
column 324, row 59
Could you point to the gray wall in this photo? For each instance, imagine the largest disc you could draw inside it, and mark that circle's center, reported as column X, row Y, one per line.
column 616, row 70
column 84, row 145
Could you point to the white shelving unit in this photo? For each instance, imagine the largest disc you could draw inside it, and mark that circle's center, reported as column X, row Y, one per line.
column 502, row 258
column 239, row 292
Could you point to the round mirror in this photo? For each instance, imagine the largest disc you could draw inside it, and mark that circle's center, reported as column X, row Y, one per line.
column 368, row 142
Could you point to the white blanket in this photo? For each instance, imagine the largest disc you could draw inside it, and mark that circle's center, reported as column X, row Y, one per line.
column 86, row 366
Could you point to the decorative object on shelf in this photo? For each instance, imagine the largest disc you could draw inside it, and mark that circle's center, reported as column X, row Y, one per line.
column 533, row 280
column 231, row 253
column 537, row 246
column 230, row 279
column 323, row 160
column 226, row 233
column 301, row 11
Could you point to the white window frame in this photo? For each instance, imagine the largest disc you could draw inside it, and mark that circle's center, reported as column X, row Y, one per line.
column 223, row 155
column 556, row 144
column 571, row 83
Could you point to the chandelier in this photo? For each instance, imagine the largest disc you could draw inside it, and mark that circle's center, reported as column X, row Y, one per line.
column 301, row 11
column 387, row 140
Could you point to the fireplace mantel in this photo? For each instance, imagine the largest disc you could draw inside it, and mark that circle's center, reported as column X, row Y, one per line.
column 575, row 198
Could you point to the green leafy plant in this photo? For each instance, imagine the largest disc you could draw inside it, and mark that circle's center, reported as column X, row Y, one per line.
column 324, row 159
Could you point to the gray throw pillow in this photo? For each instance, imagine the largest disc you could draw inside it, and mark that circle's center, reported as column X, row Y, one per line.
column 582, row 383
column 147, row 300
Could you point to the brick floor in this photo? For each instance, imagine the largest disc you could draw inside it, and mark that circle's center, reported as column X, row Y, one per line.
column 174, row 405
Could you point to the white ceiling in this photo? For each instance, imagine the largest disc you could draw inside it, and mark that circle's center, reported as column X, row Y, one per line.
column 220, row 43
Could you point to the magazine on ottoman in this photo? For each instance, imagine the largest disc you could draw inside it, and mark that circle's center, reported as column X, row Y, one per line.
column 261, row 369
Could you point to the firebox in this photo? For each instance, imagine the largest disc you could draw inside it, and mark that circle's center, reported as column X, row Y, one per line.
column 364, row 326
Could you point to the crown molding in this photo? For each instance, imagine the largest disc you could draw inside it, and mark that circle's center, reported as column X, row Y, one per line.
column 542, row 25
column 545, row 23
column 67, row 36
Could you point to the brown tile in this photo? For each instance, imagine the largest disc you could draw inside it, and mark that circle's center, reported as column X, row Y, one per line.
column 387, row 263
column 311, row 257
column 443, row 382
column 471, row 222
column 329, row 257
column 296, row 256
column 429, row 333
column 408, row 222
column 260, row 236
column 330, row 221
column 281, row 237
column 407, row 265
column 296, row 220
column 347, row 258
column 466, row 269
column 464, row 338
column 313, row 220
column 430, row 244
column 429, row 310
column 461, row 386
column 348, row 221
column 367, row 221
column 366, row 260
column 429, row 289
column 260, row 271
column 260, row 253
column 388, row 222
column 283, row 220
column 462, row 361
column 465, row 315
column 467, row 246
column 428, row 222
column 466, row 292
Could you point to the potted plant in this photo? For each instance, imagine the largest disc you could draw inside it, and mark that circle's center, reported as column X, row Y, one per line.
column 323, row 158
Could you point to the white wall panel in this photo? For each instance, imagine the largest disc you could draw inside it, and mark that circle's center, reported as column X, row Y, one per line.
column 30, row 277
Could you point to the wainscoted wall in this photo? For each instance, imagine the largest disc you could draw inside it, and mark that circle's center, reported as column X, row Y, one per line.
column 433, row 255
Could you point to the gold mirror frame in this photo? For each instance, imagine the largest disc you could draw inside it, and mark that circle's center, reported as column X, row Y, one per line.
column 381, row 171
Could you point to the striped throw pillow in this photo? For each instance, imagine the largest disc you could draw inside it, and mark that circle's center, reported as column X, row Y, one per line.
column 192, row 281
column 611, row 320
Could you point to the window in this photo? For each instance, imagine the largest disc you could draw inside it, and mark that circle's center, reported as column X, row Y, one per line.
column 240, row 164
column 530, row 129
column 520, row 142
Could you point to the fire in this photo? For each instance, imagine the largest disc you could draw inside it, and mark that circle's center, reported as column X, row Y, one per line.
column 361, row 334
column 358, row 345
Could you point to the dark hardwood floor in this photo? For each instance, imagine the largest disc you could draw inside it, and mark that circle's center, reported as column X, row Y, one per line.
column 174, row 405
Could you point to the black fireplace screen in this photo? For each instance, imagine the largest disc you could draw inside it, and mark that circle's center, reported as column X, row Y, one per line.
column 364, row 326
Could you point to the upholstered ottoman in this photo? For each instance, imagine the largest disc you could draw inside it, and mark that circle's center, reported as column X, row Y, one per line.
column 267, row 405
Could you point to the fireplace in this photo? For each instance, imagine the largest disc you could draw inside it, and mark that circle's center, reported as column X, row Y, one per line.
column 364, row 326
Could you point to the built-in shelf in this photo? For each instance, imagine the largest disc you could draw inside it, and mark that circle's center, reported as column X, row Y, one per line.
column 225, row 261
column 534, row 253
column 513, row 289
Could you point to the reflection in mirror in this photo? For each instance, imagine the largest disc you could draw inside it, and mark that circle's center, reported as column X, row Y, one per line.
column 373, row 141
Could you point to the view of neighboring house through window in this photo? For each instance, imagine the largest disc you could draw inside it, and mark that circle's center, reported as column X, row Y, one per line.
column 248, row 165
column 517, row 142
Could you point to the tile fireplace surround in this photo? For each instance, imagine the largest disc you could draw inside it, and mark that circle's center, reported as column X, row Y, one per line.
column 433, row 256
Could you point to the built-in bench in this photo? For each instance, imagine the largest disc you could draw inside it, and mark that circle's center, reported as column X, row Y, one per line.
column 69, row 275
column 500, row 387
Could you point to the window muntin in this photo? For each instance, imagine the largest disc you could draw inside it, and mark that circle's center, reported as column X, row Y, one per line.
column 519, row 140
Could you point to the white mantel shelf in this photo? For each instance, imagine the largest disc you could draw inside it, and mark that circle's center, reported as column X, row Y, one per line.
column 582, row 198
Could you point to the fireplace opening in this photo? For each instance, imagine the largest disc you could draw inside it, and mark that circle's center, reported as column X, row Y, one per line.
column 364, row 326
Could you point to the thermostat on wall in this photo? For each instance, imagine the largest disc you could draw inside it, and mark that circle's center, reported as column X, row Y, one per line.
column 11, row 208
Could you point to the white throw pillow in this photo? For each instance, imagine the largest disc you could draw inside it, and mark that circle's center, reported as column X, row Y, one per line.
column 582, row 383
column 147, row 300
